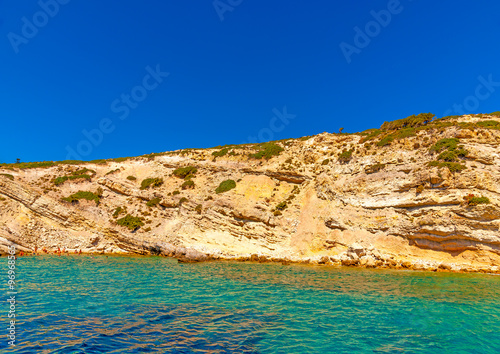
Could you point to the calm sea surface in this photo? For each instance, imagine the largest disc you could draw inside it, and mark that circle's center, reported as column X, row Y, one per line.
column 84, row 304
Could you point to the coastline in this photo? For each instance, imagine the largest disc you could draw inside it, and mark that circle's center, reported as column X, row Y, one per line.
column 184, row 255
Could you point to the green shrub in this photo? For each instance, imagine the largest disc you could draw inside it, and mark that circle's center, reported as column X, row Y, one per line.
column 374, row 168
column 387, row 140
column 75, row 197
column 176, row 192
column 472, row 200
column 409, row 122
column 491, row 124
column 496, row 114
column 185, row 172
column 9, row 176
column 452, row 166
column 119, row 210
column 182, row 200
column 131, row 178
column 153, row 202
column 199, row 208
column 130, row 222
column 220, row 152
column 370, row 134
column 267, row 151
column 345, row 156
column 225, row 186
column 325, row 162
column 281, row 206
column 83, row 173
column 445, row 144
column 60, row 180
column 112, row 171
column 188, row 184
column 448, row 156
column 151, row 182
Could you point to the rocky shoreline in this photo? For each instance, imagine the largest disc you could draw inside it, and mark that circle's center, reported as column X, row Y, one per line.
column 356, row 256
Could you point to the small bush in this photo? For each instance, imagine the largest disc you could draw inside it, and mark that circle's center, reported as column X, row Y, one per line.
column 267, row 151
column 75, row 197
column 130, row 222
column 199, row 208
column 185, row 172
column 131, row 178
column 452, row 166
column 225, row 186
column 182, row 200
column 188, row 184
column 445, row 144
column 9, row 176
column 325, row 162
column 386, row 140
column 220, row 152
column 471, row 200
column 176, row 192
column 153, row 202
column 345, row 156
column 112, row 171
column 374, row 168
column 118, row 211
column 448, row 156
column 151, row 182
column 281, row 206
column 490, row 124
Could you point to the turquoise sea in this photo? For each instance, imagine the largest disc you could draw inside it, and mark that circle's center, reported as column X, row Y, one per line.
column 84, row 304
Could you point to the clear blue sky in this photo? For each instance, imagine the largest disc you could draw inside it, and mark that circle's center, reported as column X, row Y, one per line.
column 231, row 70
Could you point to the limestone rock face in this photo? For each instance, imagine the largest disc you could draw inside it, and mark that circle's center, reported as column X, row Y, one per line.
column 385, row 207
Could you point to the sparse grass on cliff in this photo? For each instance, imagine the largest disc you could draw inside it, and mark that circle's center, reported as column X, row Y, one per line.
column 75, row 197
column 83, row 173
column 130, row 222
column 9, row 176
column 221, row 152
column 119, row 210
column 112, row 172
column 472, row 200
column 345, row 156
column 225, row 186
column 267, row 151
column 151, row 183
column 185, row 172
column 153, row 202
column 374, row 168
column 188, row 184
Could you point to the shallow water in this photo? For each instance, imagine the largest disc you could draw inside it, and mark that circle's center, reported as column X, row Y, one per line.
column 83, row 304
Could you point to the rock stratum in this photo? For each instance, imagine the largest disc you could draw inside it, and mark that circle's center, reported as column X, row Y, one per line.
column 392, row 197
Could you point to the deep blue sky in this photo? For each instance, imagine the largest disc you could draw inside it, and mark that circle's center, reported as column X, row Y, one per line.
column 226, row 77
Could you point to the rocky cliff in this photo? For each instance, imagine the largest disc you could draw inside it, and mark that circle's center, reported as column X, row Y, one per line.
column 408, row 195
